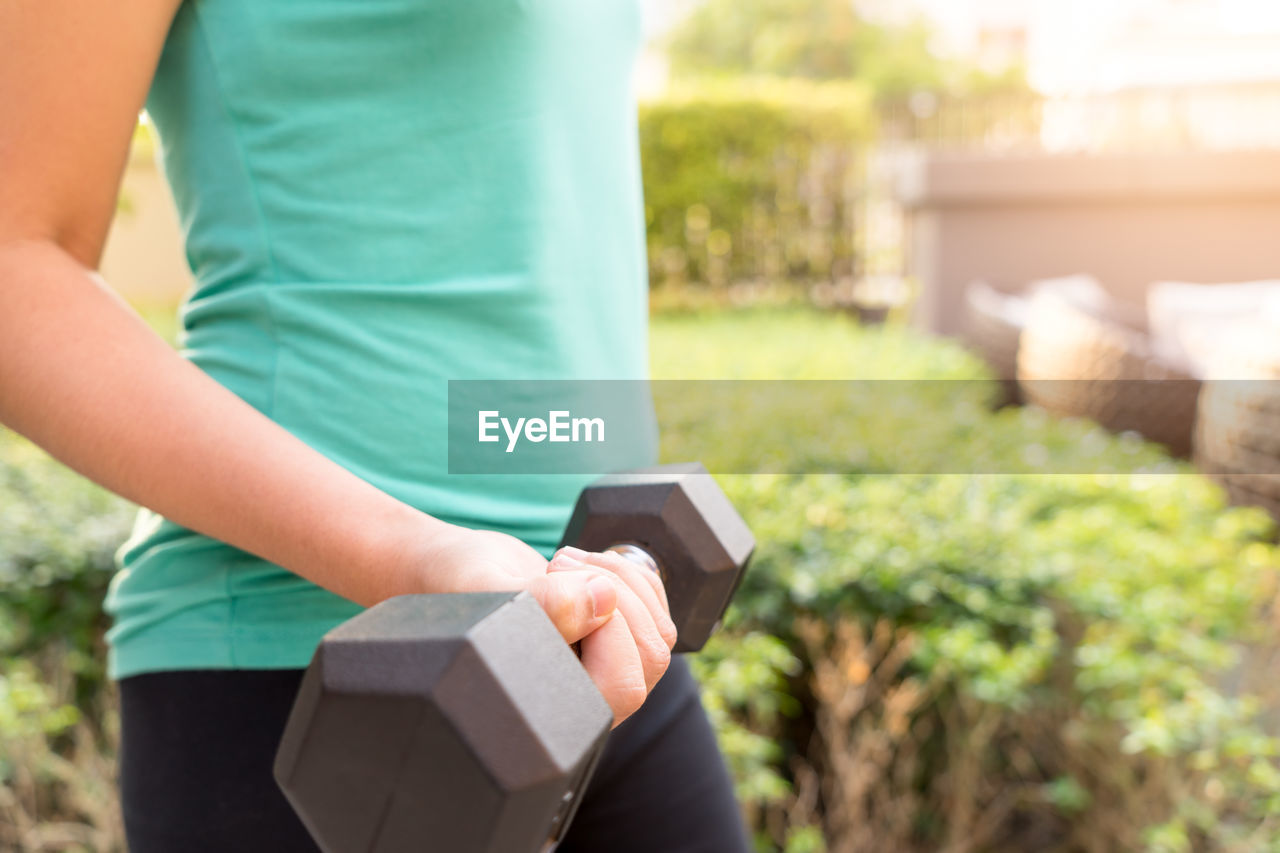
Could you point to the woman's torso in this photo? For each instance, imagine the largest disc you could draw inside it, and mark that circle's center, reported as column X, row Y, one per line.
column 377, row 198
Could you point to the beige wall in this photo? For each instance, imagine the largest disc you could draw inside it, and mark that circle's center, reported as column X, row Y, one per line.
column 1129, row 220
column 143, row 258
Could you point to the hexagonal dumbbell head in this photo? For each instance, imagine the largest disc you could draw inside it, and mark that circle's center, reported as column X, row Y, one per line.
column 678, row 515
column 442, row 722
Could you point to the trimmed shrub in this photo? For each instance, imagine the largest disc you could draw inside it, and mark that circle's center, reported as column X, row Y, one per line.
column 58, row 535
column 940, row 662
column 753, row 180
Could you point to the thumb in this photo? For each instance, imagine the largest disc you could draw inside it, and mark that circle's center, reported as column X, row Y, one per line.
column 577, row 602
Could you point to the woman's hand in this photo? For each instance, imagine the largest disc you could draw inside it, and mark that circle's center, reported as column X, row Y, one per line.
column 604, row 602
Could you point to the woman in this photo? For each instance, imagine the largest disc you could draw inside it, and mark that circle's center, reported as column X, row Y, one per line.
column 376, row 198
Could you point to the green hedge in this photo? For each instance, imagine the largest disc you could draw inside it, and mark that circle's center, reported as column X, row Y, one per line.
column 754, row 180
column 986, row 662
column 58, row 535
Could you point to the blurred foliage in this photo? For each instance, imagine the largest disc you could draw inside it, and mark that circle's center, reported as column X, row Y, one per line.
column 924, row 662
column 794, row 343
column 753, row 180
column 163, row 318
column 824, row 40
column 57, row 769
column 145, row 144
column 58, row 535
column 756, row 157
column 884, row 386
column 142, row 149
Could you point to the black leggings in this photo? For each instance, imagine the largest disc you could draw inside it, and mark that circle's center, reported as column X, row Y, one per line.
column 197, row 749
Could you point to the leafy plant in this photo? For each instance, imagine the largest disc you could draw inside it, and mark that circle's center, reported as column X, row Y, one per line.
column 58, row 534
column 753, row 180
column 824, row 40
column 988, row 662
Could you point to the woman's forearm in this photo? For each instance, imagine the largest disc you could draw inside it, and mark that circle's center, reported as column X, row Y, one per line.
column 84, row 377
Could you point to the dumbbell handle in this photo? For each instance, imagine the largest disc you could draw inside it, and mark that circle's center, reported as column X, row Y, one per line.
column 637, row 555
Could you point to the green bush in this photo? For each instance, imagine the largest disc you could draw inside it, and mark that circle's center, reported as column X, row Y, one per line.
column 924, row 662
column 1057, row 648
column 58, row 535
column 824, row 39
column 753, row 180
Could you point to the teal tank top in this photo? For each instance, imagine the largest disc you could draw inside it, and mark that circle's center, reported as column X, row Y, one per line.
column 377, row 198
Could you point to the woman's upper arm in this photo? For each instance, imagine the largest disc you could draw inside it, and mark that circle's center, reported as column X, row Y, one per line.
column 73, row 76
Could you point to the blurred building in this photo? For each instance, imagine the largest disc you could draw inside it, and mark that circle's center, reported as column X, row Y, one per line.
column 1098, row 46
column 1095, row 46
column 1150, row 149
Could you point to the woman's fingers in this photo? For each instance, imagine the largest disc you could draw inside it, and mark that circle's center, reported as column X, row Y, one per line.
column 578, row 602
column 611, row 658
column 612, row 560
column 655, row 652
column 644, row 582
column 654, row 649
column 617, row 611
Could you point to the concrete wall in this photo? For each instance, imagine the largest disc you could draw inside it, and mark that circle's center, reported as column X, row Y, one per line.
column 1127, row 219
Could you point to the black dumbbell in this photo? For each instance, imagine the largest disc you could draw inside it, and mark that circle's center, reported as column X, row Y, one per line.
column 464, row 722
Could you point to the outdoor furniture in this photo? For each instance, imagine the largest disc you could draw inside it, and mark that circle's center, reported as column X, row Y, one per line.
column 1081, row 356
column 1237, row 439
column 1192, row 320
column 995, row 317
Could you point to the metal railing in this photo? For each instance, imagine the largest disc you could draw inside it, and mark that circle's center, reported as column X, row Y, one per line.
column 1193, row 118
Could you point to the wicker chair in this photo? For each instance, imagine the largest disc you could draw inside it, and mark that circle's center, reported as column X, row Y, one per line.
column 995, row 318
column 1091, row 358
column 1193, row 319
column 1237, row 440
column 992, row 326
